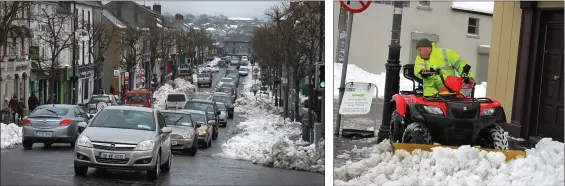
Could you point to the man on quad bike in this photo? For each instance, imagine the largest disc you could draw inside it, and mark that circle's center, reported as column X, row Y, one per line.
column 430, row 58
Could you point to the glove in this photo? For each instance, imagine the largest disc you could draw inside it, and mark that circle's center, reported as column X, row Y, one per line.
column 424, row 75
column 468, row 80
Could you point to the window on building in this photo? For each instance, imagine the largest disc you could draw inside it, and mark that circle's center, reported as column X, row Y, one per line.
column 82, row 20
column 424, row 3
column 473, row 27
column 88, row 20
column 85, row 88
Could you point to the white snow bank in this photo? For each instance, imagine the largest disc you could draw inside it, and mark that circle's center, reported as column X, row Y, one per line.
column 266, row 138
column 464, row 166
column 182, row 86
column 482, row 7
column 11, row 135
column 356, row 74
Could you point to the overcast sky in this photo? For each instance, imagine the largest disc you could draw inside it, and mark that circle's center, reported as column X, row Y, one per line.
column 227, row 8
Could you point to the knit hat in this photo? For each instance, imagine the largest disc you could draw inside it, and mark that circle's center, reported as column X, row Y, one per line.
column 423, row 43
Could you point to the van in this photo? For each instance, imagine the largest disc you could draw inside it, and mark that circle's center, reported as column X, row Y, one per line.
column 175, row 101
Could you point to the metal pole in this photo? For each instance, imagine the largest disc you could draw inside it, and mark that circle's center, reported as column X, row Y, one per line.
column 344, row 68
column 74, row 78
column 392, row 71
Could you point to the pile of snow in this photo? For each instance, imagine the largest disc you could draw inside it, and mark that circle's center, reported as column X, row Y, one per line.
column 356, row 74
column 11, row 135
column 482, row 7
column 266, row 138
column 466, row 165
column 182, row 86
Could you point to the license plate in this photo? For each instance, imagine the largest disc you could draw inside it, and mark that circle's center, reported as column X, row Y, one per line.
column 44, row 134
column 112, row 156
column 173, row 143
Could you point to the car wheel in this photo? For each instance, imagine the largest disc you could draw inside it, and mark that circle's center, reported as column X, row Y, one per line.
column 72, row 144
column 206, row 144
column 167, row 166
column 209, row 144
column 80, row 170
column 192, row 151
column 230, row 116
column 215, row 135
column 27, row 144
column 154, row 174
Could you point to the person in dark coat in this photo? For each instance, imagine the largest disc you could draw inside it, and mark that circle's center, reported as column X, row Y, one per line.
column 111, row 89
column 22, row 107
column 32, row 102
column 15, row 106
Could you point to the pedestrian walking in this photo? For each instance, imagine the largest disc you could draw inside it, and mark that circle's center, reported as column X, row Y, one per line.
column 21, row 109
column 15, row 106
column 32, row 102
column 111, row 89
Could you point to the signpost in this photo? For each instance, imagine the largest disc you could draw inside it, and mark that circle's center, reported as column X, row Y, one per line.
column 353, row 7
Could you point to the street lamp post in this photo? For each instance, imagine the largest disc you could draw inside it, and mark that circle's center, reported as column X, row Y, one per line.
column 392, row 70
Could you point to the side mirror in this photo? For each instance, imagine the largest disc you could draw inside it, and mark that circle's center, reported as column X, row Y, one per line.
column 218, row 113
column 211, row 122
column 198, row 125
column 82, row 125
column 166, row 130
column 90, row 116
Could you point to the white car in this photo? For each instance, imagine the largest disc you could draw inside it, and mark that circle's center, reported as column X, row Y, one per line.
column 225, row 80
column 243, row 71
column 215, row 68
column 175, row 101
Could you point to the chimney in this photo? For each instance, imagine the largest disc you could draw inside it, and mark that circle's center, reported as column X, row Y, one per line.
column 157, row 8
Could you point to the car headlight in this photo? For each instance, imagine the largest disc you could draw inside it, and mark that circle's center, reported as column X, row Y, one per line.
column 488, row 112
column 145, row 145
column 202, row 132
column 188, row 135
column 84, row 141
column 433, row 110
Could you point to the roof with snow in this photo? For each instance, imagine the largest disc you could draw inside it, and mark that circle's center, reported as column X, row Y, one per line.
column 210, row 29
column 108, row 15
column 240, row 19
column 475, row 7
column 238, row 38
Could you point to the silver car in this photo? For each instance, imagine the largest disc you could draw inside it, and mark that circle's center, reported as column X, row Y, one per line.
column 204, row 79
column 206, row 130
column 125, row 137
column 56, row 123
column 184, row 137
column 223, row 115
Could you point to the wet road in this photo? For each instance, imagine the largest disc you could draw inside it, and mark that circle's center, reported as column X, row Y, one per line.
column 54, row 166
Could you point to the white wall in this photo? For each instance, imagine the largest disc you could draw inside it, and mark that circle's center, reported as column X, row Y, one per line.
column 371, row 32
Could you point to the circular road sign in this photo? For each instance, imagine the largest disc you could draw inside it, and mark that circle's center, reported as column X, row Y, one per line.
column 355, row 6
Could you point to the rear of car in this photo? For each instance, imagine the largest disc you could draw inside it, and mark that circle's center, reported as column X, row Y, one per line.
column 227, row 90
column 204, row 79
column 225, row 80
column 223, row 115
column 53, row 123
column 226, row 100
column 138, row 98
column 215, row 68
column 96, row 99
column 234, row 60
column 175, row 101
column 126, row 138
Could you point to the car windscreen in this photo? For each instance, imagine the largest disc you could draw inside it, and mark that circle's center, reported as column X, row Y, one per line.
column 175, row 98
column 205, row 107
column 198, row 117
column 223, row 99
column 221, row 106
column 136, row 98
column 226, row 80
column 49, row 111
column 223, row 89
column 242, row 69
column 177, row 119
column 124, row 119
column 228, row 85
column 97, row 99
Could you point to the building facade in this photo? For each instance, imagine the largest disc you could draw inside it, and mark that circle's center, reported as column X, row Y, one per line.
column 526, row 67
column 237, row 44
column 465, row 30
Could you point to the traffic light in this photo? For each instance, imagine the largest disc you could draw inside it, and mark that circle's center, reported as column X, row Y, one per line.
column 321, row 74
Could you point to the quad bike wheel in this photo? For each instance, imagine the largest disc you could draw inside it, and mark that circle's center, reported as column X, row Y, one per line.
column 495, row 138
column 417, row 133
column 396, row 128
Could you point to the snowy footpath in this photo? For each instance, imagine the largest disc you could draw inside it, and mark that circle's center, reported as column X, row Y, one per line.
column 11, row 135
column 443, row 166
column 266, row 138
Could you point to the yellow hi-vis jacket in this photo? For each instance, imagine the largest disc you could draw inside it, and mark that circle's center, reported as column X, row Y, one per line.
column 445, row 59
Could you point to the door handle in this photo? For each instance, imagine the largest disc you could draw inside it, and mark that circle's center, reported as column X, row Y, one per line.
column 556, row 78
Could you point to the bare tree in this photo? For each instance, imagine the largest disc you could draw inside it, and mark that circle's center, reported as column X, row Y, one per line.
column 101, row 36
column 162, row 40
column 10, row 12
column 57, row 36
column 132, row 52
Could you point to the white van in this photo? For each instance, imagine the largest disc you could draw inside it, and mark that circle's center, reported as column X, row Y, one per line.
column 176, row 101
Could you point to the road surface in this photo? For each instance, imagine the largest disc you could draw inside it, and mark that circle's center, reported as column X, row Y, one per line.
column 54, row 166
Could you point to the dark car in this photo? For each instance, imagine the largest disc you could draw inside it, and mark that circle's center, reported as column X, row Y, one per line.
column 211, row 109
column 229, row 85
column 222, row 64
column 230, row 91
column 226, row 99
column 93, row 105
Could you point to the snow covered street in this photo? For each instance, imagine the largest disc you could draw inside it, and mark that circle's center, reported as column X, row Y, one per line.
column 543, row 165
column 266, row 138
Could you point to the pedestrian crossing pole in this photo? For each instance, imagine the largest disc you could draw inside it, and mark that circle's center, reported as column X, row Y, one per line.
column 392, row 71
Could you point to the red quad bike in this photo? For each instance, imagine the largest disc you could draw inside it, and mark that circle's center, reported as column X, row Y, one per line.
column 449, row 118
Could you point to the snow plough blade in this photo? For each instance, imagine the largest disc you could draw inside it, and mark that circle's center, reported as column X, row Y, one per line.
column 409, row 147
